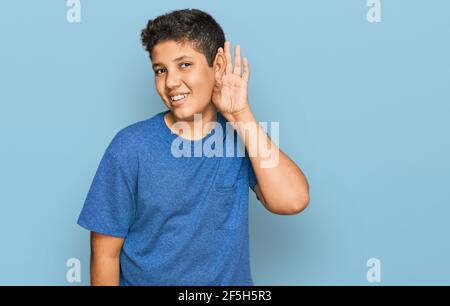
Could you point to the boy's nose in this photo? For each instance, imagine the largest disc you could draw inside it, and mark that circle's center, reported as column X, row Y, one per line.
column 172, row 80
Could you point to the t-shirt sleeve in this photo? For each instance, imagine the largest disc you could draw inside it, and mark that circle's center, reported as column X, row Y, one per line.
column 109, row 207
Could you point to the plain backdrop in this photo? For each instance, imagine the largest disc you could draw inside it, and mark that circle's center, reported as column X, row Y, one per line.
column 363, row 109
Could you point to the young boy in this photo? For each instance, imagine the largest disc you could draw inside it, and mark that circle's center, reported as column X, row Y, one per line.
column 160, row 219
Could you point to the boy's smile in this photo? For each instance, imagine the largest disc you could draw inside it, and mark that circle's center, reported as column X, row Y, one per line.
column 178, row 99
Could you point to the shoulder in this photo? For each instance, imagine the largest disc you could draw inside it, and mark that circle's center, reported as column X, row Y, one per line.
column 128, row 140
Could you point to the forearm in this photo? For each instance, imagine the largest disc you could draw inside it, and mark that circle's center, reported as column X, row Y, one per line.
column 281, row 181
column 105, row 271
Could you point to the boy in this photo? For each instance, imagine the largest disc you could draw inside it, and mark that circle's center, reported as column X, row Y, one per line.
column 160, row 219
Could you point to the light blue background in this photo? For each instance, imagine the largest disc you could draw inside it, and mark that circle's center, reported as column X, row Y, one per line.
column 363, row 108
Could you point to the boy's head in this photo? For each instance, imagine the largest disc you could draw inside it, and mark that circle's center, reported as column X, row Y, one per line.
column 183, row 49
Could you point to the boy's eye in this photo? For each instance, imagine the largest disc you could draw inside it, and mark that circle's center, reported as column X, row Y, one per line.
column 159, row 71
column 162, row 70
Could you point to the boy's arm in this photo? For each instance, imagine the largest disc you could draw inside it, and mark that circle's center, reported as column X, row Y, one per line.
column 281, row 187
column 105, row 260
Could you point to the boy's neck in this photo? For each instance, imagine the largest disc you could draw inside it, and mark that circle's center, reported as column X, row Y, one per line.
column 207, row 116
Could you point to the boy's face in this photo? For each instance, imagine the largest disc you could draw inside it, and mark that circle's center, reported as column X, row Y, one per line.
column 183, row 78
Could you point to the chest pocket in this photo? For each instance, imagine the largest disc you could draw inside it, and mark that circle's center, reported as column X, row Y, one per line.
column 229, row 194
column 229, row 171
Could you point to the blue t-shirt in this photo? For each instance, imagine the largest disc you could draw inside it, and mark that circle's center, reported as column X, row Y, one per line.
column 184, row 219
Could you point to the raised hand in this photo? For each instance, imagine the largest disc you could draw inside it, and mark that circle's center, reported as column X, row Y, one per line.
column 230, row 95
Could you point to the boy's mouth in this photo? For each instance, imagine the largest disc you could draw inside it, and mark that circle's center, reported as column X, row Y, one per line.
column 178, row 99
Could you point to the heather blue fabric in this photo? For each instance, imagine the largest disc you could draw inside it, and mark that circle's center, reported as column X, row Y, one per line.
column 185, row 220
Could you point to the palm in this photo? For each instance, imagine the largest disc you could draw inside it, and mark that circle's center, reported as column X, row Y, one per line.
column 230, row 93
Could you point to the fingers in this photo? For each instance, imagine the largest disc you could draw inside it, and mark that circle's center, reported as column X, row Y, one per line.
column 237, row 60
column 229, row 68
column 246, row 69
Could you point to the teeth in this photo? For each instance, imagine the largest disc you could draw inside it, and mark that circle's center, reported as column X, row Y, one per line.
column 178, row 97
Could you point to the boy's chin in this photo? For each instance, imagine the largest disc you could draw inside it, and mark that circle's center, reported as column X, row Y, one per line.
column 187, row 114
column 183, row 114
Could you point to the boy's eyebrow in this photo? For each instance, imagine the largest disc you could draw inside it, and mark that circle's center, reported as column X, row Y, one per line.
column 180, row 58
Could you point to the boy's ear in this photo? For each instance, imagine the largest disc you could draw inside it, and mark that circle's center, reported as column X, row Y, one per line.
column 220, row 63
